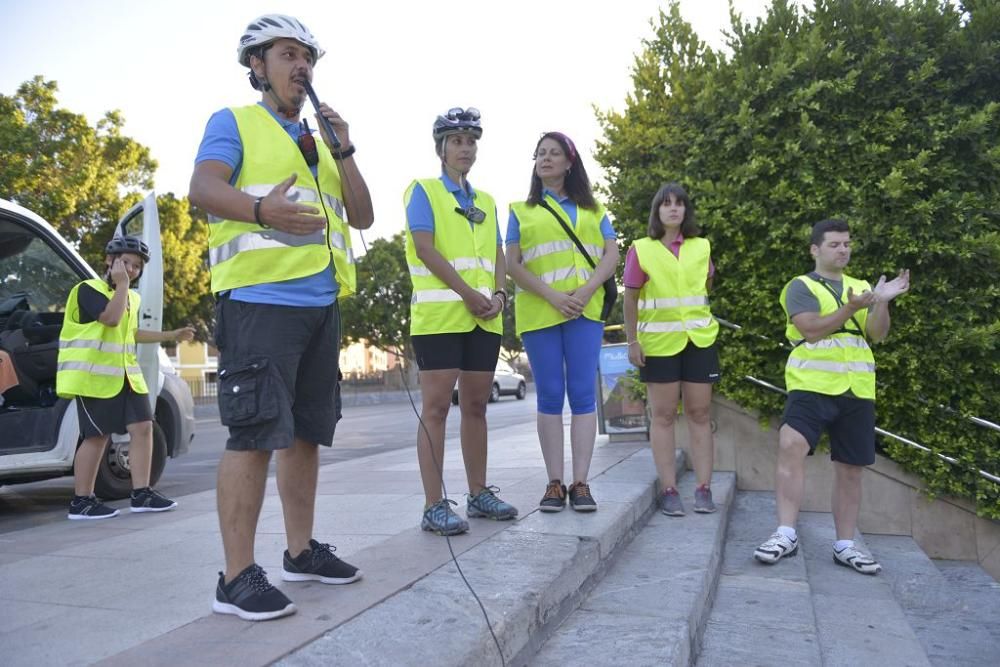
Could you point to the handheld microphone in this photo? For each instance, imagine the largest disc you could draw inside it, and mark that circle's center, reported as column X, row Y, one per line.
column 322, row 119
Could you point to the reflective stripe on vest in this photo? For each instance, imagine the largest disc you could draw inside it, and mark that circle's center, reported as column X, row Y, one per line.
column 460, row 264
column 103, row 346
column 94, row 359
column 840, row 362
column 672, row 327
column 833, row 366
column 548, row 253
column 244, row 253
column 442, row 295
column 470, row 249
column 673, row 303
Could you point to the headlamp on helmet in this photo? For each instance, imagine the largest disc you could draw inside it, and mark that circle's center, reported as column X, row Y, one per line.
column 457, row 121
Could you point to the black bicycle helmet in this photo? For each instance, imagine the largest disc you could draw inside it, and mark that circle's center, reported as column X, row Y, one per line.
column 120, row 245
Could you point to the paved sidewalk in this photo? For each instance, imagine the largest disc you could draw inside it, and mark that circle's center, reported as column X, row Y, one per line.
column 138, row 588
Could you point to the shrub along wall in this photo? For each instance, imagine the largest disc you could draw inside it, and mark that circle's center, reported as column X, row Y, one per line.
column 886, row 115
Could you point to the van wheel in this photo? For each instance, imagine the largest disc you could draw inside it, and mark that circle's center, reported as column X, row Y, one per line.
column 114, row 477
column 494, row 393
column 522, row 391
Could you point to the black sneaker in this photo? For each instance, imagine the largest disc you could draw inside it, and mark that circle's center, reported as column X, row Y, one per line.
column 554, row 499
column 318, row 564
column 148, row 500
column 251, row 597
column 580, row 498
column 89, row 508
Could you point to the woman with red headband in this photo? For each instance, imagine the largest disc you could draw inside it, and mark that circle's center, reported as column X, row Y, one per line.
column 558, row 306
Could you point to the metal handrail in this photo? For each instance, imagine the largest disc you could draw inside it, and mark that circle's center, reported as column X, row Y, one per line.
column 976, row 420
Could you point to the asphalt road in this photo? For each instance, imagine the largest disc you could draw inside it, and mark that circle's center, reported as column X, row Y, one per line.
column 364, row 430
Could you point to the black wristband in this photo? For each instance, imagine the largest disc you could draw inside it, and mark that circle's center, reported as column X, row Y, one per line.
column 344, row 154
column 256, row 213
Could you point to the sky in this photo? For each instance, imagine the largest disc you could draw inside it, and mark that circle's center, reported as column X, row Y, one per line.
column 528, row 65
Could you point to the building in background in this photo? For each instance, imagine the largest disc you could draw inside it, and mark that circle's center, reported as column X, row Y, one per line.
column 198, row 365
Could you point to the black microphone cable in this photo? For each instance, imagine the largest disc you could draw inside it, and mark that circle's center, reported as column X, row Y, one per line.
column 335, row 140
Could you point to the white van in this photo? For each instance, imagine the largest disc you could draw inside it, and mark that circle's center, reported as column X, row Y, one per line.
column 39, row 433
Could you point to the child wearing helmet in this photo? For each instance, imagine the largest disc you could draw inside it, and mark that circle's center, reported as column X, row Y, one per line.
column 98, row 367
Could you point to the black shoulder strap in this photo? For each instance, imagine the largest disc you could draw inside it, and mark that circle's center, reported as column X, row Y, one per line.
column 569, row 232
column 836, row 297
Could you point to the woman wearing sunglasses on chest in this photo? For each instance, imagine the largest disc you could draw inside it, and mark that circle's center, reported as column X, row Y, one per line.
column 456, row 263
column 559, row 306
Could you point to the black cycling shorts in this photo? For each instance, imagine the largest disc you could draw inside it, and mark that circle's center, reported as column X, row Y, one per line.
column 849, row 420
column 475, row 350
column 692, row 364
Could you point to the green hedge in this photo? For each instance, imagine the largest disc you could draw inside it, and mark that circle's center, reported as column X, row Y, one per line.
column 887, row 115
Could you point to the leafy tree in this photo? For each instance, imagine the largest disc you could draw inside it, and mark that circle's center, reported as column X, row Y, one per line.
column 55, row 163
column 511, row 346
column 379, row 312
column 82, row 179
column 886, row 115
column 187, row 295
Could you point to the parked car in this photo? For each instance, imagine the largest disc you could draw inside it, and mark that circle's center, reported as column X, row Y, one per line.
column 506, row 382
column 39, row 433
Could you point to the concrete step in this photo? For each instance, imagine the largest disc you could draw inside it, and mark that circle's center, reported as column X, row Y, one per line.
column 804, row 610
column 651, row 606
column 952, row 606
column 528, row 578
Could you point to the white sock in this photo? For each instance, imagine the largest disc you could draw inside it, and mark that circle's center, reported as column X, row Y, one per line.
column 840, row 545
column 788, row 532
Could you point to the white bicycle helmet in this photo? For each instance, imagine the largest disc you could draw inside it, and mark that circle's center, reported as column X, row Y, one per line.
column 456, row 121
column 270, row 27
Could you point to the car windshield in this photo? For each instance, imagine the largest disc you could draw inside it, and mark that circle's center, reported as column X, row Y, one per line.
column 28, row 266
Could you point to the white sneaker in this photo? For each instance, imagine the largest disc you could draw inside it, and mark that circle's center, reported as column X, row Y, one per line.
column 775, row 548
column 860, row 561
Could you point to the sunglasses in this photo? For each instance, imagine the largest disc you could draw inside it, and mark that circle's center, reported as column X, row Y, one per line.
column 472, row 214
column 458, row 113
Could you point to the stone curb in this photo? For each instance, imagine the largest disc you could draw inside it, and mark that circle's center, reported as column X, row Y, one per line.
column 654, row 603
column 529, row 578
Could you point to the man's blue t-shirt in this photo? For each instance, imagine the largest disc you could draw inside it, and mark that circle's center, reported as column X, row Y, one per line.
column 420, row 216
column 567, row 205
column 222, row 142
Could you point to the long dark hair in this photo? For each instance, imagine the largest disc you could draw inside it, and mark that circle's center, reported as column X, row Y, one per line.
column 656, row 229
column 577, row 183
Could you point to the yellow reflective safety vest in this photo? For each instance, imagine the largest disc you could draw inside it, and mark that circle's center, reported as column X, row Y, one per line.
column 95, row 359
column 471, row 249
column 673, row 303
column 244, row 253
column 838, row 363
column 551, row 255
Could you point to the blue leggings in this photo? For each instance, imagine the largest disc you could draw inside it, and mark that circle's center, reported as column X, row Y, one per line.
column 563, row 360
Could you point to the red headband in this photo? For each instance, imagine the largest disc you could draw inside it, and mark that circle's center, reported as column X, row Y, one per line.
column 566, row 140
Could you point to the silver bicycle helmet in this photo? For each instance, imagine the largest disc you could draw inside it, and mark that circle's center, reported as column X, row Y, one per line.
column 456, row 121
column 271, row 27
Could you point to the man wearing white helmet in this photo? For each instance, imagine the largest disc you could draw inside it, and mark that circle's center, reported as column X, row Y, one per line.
column 280, row 256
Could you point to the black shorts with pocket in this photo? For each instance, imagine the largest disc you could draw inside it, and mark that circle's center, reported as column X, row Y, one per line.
column 475, row 350
column 849, row 420
column 692, row 364
column 104, row 416
column 278, row 373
